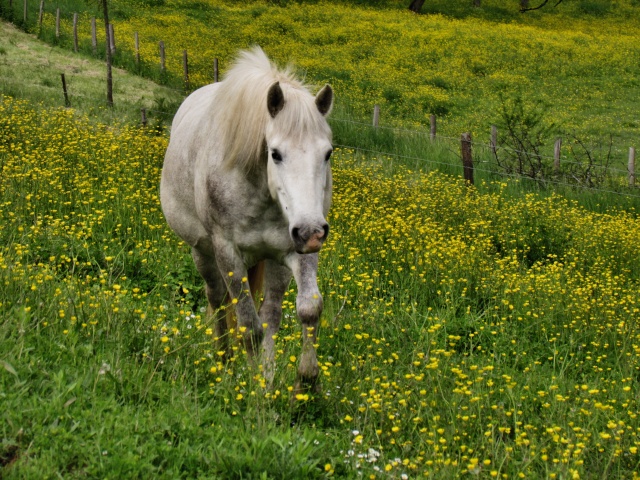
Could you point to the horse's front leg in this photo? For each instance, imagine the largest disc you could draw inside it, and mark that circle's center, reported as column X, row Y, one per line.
column 277, row 279
column 309, row 307
column 234, row 272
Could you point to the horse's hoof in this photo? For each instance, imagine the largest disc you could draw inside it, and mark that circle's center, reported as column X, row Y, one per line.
column 305, row 385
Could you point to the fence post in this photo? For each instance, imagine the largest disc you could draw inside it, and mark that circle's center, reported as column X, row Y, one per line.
column 185, row 68
column 40, row 15
column 143, row 111
column 25, row 14
column 112, row 39
column 467, row 159
column 94, row 36
column 494, row 140
column 215, row 70
column 137, row 46
column 162, row 65
column 632, row 167
column 67, row 103
column 75, row 32
column 556, row 155
column 432, row 127
column 57, row 23
column 376, row 115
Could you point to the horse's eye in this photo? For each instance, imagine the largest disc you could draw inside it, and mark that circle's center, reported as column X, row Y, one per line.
column 277, row 157
column 328, row 156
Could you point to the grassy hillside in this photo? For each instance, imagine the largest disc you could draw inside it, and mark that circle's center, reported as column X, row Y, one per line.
column 31, row 69
column 461, row 63
column 483, row 332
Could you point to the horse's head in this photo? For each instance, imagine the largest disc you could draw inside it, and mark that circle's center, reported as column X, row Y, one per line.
column 299, row 147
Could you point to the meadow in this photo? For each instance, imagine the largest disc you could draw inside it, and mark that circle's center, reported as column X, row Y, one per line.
column 464, row 332
column 460, row 63
column 481, row 331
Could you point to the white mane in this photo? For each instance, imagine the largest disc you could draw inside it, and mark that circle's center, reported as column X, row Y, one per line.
column 241, row 111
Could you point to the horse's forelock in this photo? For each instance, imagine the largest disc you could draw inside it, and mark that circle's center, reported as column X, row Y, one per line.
column 300, row 118
column 241, row 108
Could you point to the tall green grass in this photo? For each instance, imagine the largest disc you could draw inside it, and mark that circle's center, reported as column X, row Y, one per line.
column 466, row 331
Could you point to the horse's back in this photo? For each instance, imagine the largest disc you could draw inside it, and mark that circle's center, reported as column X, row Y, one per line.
column 194, row 108
column 189, row 131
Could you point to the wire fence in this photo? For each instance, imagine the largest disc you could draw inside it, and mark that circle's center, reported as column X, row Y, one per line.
column 490, row 172
column 485, row 158
column 475, row 144
column 481, row 164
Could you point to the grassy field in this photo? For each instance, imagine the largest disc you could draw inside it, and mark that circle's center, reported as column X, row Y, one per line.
column 464, row 333
column 455, row 61
column 483, row 331
column 31, row 69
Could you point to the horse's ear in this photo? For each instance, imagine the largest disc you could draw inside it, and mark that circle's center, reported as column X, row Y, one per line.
column 275, row 99
column 324, row 99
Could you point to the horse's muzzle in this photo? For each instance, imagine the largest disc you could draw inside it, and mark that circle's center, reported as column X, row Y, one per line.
column 309, row 239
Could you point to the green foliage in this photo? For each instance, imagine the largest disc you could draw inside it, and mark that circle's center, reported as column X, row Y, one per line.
column 595, row 7
column 526, row 130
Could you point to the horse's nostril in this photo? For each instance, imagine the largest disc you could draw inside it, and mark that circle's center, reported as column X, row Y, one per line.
column 295, row 233
column 325, row 227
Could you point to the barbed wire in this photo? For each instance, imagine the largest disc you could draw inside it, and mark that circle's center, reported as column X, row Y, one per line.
column 476, row 168
column 474, row 143
column 493, row 172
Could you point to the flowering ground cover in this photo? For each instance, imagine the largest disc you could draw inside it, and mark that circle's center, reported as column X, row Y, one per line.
column 454, row 61
column 467, row 331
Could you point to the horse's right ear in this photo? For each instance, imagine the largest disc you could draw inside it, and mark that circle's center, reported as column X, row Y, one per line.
column 324, row 100
column 275, row 99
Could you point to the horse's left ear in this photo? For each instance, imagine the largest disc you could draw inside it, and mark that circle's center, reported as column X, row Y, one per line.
column 324, row 99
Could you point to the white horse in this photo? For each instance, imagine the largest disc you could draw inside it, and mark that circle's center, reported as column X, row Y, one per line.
column 247, row 183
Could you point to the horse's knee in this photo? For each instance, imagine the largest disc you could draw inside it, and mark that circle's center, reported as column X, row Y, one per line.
column 309, row 308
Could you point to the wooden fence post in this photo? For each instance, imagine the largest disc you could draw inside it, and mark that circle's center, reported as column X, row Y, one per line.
column 215, row 70
column 632, row 167
column 494, row 140
column 432, row 127
column 25, row 13
column 75, row 32
column 112, row 39
column 67, row 103
column 137, row 47
column 40, row 14
column 57, row 23
column 94, row 36
column 185, row 68
column 467, row 159
column 556, row 155
column 162, row 65
column 376, row 115
column 143, row 111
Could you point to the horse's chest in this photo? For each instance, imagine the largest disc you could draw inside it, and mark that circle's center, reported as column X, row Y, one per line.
column 243, row 212
column 264, row 232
